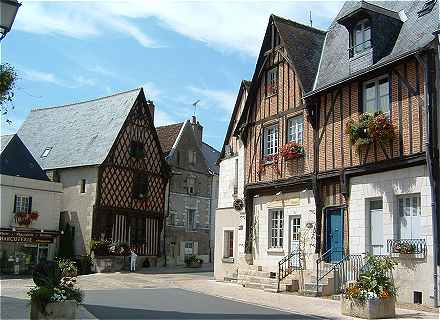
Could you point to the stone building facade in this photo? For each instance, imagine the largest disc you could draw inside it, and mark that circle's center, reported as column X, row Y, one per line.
column 192, row 192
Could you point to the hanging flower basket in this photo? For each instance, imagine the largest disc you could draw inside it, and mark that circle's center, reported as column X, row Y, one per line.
column 26, row 218
column 292, row 150
column 370, row 128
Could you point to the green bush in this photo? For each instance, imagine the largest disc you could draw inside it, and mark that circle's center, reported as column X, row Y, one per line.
column 68, row 268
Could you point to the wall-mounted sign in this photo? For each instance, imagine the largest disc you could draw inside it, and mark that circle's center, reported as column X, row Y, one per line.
column 25, row 237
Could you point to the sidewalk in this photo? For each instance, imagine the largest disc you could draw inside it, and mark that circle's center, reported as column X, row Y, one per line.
column 206, row 267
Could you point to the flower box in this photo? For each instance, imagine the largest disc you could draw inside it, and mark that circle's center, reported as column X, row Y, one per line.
column 67, row 309
column 26, row 218
column 292, row 150
column 103, row 264
column 369, row 309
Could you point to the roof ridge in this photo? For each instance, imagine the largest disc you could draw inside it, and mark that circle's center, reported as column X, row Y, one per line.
column 85, row 101
column 299, row 24
column 208, row 145
column 171, row 124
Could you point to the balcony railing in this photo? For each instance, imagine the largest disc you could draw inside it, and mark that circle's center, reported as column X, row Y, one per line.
column 359, row 48
column 407, row 246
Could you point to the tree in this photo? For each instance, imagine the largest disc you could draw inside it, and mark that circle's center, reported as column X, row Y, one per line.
column 8, row 76
column 66, row 243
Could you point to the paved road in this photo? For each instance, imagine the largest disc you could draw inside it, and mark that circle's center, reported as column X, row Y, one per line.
column 174, row 303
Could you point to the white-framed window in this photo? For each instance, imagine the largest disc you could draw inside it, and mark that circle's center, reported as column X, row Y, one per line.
column 361, row 36
column 228, row 248
column 189, row 248
column 276, row 228
column 46, row 152
column 190, row 219
column 295, row 129
column 192, row 157
column 22, row 203
column 272, row 81
column 191, row 185
column 376, row 95
column 408, row 208
column 270, row 141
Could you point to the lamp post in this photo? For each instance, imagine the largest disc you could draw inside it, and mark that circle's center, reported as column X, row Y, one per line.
column 8, row 11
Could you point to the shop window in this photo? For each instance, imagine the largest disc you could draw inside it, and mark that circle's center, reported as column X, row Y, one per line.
column 409, row 217
column 22, row 204
column 295, row 129
column 376, row 95
column 228, row 250
column 276, row 228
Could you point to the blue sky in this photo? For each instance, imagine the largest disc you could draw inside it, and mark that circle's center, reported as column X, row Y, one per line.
column 179, row 51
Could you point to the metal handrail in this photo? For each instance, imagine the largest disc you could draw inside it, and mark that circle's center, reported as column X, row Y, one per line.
column 286, row 267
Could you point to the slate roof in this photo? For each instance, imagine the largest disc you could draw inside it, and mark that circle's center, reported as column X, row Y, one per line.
column 303, row 45
column 211, row 156
column 16, row 160
column 79, row 134
column 168, row 135
column 416, row 33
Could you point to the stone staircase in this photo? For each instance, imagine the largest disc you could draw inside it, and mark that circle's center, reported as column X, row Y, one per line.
column 258, row 278
column 325, row 287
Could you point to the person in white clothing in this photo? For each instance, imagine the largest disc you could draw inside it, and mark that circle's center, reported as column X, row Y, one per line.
column 133, row 257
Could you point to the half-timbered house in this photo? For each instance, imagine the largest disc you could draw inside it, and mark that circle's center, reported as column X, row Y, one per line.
column 340, row 133
column 106, row 154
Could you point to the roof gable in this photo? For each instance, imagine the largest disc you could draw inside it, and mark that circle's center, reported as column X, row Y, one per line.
column 334, row 66
column 77, row 134
column 16, row 160
column 168, row 136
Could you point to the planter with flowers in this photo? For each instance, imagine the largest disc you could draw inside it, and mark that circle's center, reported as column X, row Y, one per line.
column 55, row 295
column 372, row 296
column 26, row 218
column 292, row 150
column 371, row 128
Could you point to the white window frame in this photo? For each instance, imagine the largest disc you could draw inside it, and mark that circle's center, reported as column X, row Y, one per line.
column 365, row 42
column 270, row 141
column 276, row 228
column 413, row 212
column 46, row 152
column 272, row 81
column 21, row 203
column 377, row 94
column 227, row 243
column 295, row 129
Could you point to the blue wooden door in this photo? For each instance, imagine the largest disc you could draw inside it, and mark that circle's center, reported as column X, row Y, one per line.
column 335, row 234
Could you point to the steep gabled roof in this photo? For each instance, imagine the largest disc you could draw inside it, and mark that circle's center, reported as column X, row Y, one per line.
column 415, row 34
column 168, row 136
column 211, row 156
column 78, row 134
column 17, row 161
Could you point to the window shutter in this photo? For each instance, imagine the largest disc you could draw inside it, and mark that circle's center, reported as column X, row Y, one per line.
column 15, row 203
column 30, row 205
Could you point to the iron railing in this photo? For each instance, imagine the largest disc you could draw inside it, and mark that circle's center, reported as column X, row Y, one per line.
column 359, row 48
column 407, row 246
column 287, row 265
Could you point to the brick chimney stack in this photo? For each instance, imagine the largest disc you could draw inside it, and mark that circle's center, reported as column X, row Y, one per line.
column 198, row 130
column 151, row 108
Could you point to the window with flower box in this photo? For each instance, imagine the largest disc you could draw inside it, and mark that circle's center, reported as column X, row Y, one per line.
column 409, row 217
column 22, row 204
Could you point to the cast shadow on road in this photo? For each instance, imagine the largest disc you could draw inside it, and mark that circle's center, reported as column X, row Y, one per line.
column 14, row 308
column 105, row 312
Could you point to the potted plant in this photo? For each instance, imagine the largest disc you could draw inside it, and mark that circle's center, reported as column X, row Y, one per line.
column 269, row 160
column 55, row 295
column 193, row 262
column 370, row 128
column 292, row 150
column 404, row 248
column 26, row 218
column 372, row 296
column 108, row 256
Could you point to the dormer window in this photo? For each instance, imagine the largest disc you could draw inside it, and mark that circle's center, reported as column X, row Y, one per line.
column 361, row 37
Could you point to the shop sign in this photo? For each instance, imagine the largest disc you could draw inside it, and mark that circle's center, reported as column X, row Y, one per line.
column 25, row 237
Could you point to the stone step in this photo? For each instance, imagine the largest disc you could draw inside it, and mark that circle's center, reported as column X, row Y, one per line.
column 310, row 293
column 260, row 280
column 312, row 286
column 263, row 274
column 255, row 285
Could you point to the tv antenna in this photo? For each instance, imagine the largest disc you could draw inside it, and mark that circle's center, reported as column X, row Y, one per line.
column 195, row 106
column 310, row 17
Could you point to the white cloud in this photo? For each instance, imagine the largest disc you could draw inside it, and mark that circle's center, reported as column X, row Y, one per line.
column 48, row 77
column 224, row 25
column 161, row 118
column 151, row 91
column 223, row 100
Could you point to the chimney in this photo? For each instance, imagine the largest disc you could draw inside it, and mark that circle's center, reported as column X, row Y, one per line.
column 151, row 107
column 198, row 130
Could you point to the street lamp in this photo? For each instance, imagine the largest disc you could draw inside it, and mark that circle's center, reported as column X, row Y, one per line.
column 8, row 11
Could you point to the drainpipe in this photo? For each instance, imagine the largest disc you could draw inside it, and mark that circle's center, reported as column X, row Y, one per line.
column 165, row 224
column 430, row 165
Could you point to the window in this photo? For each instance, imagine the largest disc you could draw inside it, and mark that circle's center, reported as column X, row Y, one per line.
column 172, row 218
column 376, row 95
column 136, row 149
column 192, row 157
column 46, row 152
column 361, row 37
column 295, row 129
column 191, row 185
column 190, row 219
column 83, row 186
column 140, row 186
column 270, row 140
column 189, row 248
column 22, row 204
column 228, row 250
column 409, row 217
column 236, row 176
column 272, row 81
column 276, row 225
